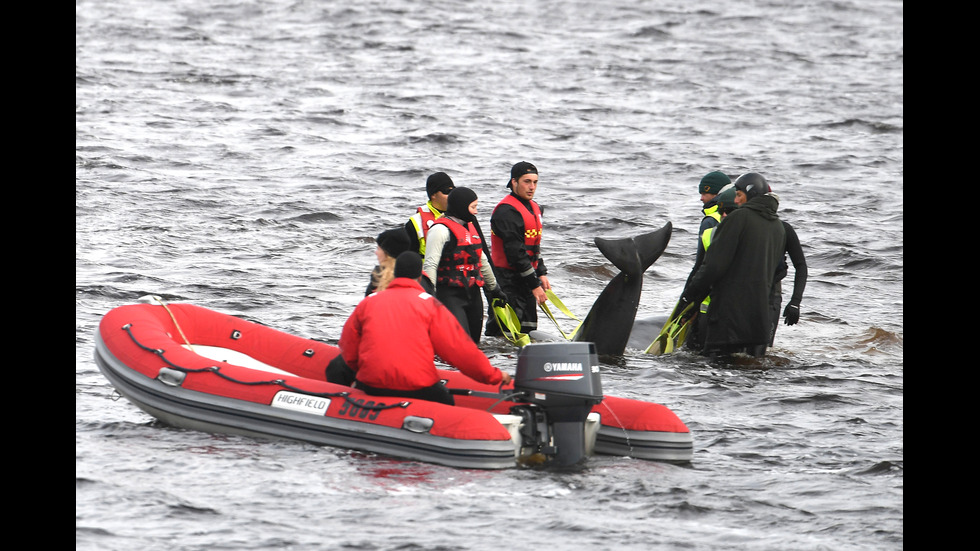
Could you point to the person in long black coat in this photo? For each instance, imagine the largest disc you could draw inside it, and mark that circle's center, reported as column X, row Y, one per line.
column 738, row 272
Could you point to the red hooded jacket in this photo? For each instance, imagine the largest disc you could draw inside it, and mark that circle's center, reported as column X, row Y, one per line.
column 391, row 338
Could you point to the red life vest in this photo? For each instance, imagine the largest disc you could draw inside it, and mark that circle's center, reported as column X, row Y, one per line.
column 532, row 234
column 460, row 266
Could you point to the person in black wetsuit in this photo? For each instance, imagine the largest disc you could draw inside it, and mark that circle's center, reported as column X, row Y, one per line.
column 515, row 249
column 792, row 312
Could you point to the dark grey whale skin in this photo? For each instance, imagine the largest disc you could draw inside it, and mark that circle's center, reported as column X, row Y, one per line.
column 611, row 323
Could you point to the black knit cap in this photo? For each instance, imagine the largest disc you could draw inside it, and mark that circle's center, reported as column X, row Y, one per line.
column 458, row 204
column 440, row 181
column 408, row 264
column 520, row 169
column 394, row 241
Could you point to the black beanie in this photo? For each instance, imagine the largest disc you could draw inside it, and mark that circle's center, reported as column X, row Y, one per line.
column 394, row 241
column 408, row 264
column 439, row 181
column 459, row 203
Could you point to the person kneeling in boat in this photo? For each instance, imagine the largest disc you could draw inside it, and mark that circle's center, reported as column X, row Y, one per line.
column 391, row 339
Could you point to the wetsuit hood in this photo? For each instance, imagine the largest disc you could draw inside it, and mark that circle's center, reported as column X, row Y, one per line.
column 765, row 205
column 459, row 203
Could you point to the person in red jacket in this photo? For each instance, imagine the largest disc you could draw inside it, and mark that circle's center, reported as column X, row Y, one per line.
column 392, row 337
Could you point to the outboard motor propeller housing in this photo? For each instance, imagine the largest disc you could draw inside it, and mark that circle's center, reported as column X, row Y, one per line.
column 563, row 380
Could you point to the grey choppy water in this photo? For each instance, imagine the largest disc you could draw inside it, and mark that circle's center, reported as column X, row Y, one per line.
column 242, row 156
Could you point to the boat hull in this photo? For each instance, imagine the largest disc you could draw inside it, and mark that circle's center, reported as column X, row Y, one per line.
column 627, row 427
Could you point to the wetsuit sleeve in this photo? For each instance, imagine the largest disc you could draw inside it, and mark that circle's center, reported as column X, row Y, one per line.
column 454, row 345
column 795, row 251
column 413, row 237
column 435, row 242
column 698, row 260
column 541, row 269
column 508, row 224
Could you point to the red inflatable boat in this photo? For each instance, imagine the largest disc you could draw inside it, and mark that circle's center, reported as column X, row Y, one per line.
column 196, row 368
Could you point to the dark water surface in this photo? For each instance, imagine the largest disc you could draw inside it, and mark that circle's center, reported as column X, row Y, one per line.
column 243, row 156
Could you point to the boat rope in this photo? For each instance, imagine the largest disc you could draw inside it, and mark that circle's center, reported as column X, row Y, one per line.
column 505, row 397
column 279, row 382
column 172, row 318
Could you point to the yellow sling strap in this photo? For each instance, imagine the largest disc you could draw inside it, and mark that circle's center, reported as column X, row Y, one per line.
column 561, row 306
column 509, row 323
column 673, row 333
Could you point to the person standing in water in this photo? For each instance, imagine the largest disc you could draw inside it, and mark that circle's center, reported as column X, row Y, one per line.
column 738, row 272
column 438, row 186
column 455, row 263
column 515, row 248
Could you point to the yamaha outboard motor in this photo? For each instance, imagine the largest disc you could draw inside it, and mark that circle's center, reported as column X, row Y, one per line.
column 561, row 382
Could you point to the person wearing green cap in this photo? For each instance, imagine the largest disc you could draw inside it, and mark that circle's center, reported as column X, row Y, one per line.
column 723, row 203
column 709, row 187
column 712, row 184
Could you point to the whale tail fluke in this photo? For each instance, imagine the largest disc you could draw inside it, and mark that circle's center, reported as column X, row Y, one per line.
column 610, row 320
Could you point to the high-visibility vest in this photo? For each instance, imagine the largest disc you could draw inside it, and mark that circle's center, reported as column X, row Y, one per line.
column 424, row 217
column 706, row 240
